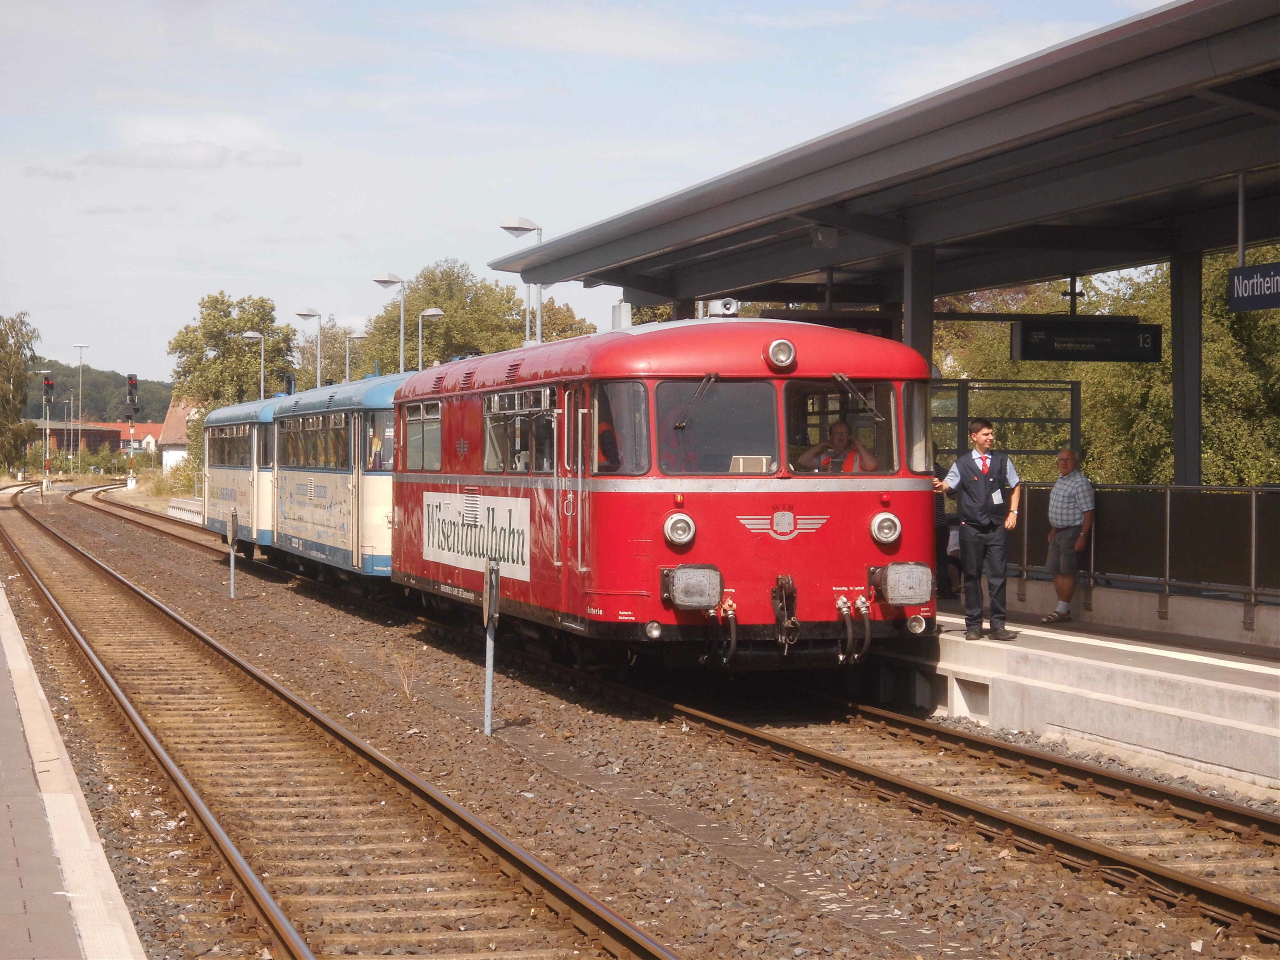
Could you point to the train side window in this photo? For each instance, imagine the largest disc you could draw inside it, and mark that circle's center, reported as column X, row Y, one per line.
column 495, row 431
column 520, row 436
column 379, row 440
column 413, row 437
column 431, row 437
column 620, row 422
column 340, row 431
column 544, row 432
column 916, row 414
column 265, row 453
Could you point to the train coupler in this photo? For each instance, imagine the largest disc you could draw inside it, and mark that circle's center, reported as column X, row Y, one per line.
column 783, row 597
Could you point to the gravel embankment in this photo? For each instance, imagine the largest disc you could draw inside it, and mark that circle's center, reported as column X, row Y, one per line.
column 711, row 848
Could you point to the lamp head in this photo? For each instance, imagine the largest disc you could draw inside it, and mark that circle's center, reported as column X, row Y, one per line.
column 519, row 226
column 431, row 313
column 308, row 313
column 387, row 280
column 357, row 336
column 251, row 335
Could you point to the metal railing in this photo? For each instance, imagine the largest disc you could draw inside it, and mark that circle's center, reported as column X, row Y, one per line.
column 1195, row 539
column 1034, row 419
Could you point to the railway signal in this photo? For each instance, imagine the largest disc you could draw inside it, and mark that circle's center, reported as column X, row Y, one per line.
column 131, row 412
column 48, row 390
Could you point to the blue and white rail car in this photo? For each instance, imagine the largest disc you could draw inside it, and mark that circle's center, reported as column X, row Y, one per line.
column 239, row 451
column 335, row 451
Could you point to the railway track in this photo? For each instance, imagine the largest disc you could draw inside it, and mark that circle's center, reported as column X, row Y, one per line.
column 336, row 848
column 1195, row 854
column 180, row 530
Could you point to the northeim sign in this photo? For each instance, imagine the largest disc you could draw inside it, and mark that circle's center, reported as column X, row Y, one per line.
column 1254, row 288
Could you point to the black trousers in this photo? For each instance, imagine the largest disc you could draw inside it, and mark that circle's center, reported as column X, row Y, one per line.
column 982, row 550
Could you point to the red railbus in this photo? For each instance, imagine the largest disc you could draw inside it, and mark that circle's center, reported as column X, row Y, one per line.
column 671, row 490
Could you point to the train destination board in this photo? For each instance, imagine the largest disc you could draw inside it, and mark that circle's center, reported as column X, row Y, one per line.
column 1254, row 288
column 1111, row 340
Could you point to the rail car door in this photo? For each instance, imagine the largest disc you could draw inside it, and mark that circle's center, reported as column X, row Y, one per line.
column 354, row 478
column 571, row 493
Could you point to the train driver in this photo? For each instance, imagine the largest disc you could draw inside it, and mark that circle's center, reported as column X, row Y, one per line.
column 842, row 452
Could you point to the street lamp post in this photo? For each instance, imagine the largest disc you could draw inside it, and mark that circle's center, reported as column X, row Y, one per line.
column 44, row 406
column 307, row 314
column 252, row 335
column 387, row 281
column 431, row 313
column 518, row 228
column 81, row 347
column 350, row 337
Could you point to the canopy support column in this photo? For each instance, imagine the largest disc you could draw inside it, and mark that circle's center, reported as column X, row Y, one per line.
column 1185, row 291
column 917, row 300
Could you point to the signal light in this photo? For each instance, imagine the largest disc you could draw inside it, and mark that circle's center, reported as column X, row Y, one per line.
column 48, row 389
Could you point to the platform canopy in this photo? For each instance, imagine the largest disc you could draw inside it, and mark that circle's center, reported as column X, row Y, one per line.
column 1118, row 148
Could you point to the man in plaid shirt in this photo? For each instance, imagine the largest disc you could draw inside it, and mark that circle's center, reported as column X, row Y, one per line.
column 1071, row 510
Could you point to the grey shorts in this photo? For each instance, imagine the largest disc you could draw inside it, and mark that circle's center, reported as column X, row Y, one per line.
column 1063, row 559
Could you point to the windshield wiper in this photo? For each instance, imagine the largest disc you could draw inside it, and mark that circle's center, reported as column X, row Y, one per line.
column 698, row 394
column 853, row 391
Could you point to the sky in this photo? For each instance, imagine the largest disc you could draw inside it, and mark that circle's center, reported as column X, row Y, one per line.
column 155, row 152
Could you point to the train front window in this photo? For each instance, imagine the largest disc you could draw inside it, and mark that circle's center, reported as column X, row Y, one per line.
column 841, row 426
column 717, row 426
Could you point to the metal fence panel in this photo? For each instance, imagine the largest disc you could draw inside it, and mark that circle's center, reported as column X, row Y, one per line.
column 1209, row 536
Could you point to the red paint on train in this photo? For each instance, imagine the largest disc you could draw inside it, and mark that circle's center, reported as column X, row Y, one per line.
column 567, row 459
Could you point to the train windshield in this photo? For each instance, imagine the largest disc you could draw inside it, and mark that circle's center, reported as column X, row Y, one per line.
column 717, row 426
column 841, row 426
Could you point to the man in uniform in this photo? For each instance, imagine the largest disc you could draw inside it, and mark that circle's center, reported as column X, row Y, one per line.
column 987, row 489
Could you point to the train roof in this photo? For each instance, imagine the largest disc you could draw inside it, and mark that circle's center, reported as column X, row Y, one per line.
column 255, row 411
column 684, row 348
column 371, row 393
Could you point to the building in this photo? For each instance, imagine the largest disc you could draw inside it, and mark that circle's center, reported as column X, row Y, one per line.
column 173, row 435
column 146, row 436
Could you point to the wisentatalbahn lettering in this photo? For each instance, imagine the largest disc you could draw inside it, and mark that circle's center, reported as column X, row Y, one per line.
column 501, row 533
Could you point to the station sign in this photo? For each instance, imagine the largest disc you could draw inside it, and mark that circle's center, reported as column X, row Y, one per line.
column 1111, row 340
column 1254, row 288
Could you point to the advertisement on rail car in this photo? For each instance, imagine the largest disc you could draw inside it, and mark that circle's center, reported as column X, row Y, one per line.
column 466, row 530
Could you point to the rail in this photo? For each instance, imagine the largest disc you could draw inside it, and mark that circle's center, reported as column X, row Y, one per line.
column 616, row 934
column 1208, row 539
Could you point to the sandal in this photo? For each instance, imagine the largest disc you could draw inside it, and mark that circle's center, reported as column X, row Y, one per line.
column 1056, row 617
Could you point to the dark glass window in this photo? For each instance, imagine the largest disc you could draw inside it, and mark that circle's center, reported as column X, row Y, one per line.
column 717, row 427
column 863, row 411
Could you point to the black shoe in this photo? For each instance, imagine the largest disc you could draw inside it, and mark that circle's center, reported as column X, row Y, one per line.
column 973, row 634
column 1004, row 633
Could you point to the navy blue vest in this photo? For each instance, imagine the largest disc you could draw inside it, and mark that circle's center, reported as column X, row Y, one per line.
column 974, row 493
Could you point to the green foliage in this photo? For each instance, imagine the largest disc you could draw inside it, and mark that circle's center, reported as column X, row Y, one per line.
column 104, row 392
column 215, row 367
column 17, row 342
column 479, row 317
column 333, row 359
column 1127, row 414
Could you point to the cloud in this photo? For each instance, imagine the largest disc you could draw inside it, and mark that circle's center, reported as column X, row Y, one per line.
column 193, row 155
column 866, row 12
column 48, row 173
column 242, row 41
column 589, row 30
column 269, row 158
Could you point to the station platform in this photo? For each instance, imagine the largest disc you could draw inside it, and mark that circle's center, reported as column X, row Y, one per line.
column 58, row 896
column 1212, row 715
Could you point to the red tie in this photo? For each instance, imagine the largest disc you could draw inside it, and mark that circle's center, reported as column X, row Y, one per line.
column 984, row 463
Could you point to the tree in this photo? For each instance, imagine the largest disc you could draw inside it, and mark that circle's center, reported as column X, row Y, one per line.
column 17, row 343
column 479, row 317
column 1127, row 416
column 215, row 366
column 559, row 322
column 333, row 361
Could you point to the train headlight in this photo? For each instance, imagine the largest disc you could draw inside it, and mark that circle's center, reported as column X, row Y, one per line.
column 679, row 529
column 886, row 527
column 782, row 354
column 653, row 629
column 916, row 624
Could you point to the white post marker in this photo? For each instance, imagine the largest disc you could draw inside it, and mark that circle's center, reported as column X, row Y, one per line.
column 492, row 578
column 233, row 527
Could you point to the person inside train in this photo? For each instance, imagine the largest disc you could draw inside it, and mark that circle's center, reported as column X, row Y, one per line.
column 608, row 458
column 842, row 452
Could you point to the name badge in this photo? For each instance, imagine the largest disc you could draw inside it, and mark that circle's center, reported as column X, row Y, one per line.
column 996, row 497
